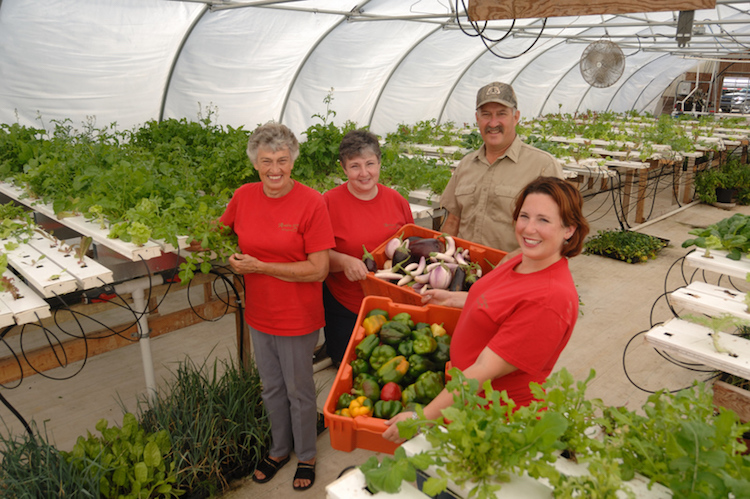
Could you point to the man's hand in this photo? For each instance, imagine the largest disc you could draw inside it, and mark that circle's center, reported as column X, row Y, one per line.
column 451, row 224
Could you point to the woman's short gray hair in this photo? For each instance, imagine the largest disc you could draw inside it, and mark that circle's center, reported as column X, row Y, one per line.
column 274, row 137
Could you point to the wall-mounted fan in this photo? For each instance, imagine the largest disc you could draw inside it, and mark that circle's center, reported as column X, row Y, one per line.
column 602, row 63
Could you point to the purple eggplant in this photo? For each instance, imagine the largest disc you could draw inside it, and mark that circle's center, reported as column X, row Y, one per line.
column 424, row 246
column 459, row 279
column 402, row 254
column 391, row 246
column 369, row 260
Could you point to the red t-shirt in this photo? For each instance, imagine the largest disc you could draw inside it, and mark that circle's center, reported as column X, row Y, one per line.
column 357, row 222
column 526, row 319
column 284, row 229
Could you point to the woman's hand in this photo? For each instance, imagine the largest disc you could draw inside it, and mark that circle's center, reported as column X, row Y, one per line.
column 243, row 264
column 391, row 433
column 354, row 268
column 445, row 298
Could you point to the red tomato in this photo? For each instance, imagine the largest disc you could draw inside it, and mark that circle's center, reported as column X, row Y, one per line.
column 390, row 391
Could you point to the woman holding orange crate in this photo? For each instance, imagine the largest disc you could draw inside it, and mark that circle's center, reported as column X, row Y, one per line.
column 363, row 213
column 517, row 319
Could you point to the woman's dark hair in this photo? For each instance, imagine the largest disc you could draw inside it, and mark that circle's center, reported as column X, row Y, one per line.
column 570, row 202
column 357, row 142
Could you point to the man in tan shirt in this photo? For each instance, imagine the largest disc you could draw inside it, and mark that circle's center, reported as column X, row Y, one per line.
column 479, row 196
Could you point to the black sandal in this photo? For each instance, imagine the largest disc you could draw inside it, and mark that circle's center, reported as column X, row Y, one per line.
column 269, row 467
column 304, row 472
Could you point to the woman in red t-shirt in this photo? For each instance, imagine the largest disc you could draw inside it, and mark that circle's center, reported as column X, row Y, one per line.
column 284, row 234
column 517, row 319
column 363, row 212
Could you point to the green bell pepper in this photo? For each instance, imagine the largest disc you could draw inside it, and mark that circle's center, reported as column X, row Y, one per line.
column 419, row 364
column 380, row 355
column 409, row 395
column 441, row 355
column 367, row 385
column 344, row 400
column 377, row 311
column 446, row 339
column 359, row 366
column 366, row 346
column 394, row 332
column 421, row 331
column 424, row 345
column 405, row 318
column 421, row 325
column 394, row 370
column 406, row 348
column 428, row 386
column 386, row 409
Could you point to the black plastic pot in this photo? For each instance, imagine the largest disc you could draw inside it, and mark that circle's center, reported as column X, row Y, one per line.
column 725, row 195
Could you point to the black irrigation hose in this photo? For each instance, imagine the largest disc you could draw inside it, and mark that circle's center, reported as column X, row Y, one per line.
column 17, row 415
column 694, row 367
column 53, row 338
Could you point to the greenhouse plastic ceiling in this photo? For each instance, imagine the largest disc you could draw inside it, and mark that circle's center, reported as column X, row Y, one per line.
column 378, row 63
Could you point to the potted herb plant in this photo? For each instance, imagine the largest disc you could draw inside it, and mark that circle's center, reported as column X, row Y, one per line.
column 722, row 184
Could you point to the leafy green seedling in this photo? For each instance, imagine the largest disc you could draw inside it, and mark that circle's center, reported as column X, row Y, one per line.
column 717, row 324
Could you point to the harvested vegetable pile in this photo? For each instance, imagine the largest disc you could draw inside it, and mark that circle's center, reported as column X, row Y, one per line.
column 399, row 363
column 424, row 263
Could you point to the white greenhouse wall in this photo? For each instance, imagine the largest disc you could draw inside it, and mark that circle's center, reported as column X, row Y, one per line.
column 388, row 61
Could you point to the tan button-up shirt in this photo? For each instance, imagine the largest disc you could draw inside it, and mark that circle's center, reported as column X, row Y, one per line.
column 482, row 194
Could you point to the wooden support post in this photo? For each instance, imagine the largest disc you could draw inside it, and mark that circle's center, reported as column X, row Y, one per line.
column 243, row 333
column 627, row 188
column 676, row 180
column 642, row 184
column 687, row 193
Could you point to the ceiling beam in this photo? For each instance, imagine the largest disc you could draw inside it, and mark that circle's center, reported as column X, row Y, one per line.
column 484, row 10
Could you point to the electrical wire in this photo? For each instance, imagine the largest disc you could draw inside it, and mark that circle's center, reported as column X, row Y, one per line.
column 479, row 32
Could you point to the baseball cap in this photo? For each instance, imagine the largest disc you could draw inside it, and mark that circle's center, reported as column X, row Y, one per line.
column 502, row 93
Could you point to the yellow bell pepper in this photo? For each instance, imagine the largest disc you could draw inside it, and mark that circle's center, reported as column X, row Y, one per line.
column 344, row 412
column 361, row 406
column 438, row 330
column 373, row 324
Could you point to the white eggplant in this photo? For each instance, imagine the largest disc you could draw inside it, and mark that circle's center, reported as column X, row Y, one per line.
column 440, row 277
column 388, row 275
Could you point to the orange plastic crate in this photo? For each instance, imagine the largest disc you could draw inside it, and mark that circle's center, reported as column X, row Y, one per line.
column 364, row 432
column 372, row 286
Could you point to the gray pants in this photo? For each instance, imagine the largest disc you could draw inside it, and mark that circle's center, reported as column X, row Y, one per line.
column 285, row 364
